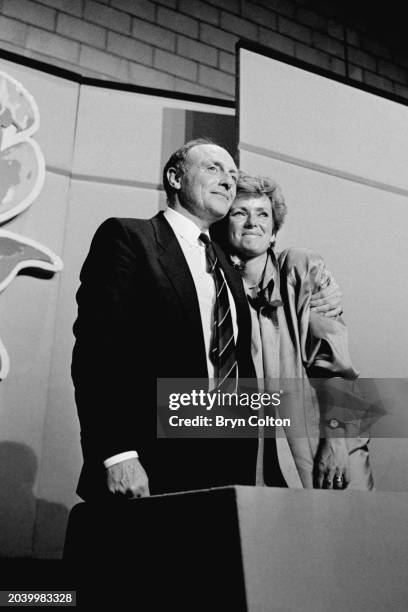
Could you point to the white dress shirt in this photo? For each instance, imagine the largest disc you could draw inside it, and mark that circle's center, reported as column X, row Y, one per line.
column 187, row 234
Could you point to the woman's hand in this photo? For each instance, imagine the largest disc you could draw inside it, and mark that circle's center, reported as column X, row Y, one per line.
column 332, row 464
column 328, row 301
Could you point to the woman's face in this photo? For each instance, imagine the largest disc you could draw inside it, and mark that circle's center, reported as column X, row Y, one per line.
column 250, row 225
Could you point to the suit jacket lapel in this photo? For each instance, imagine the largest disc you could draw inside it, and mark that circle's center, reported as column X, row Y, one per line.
column 176, row 269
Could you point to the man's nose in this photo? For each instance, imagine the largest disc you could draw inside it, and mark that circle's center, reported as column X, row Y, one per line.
column 227, row 181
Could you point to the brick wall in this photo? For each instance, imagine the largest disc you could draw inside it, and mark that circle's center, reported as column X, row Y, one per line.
column 188, row 45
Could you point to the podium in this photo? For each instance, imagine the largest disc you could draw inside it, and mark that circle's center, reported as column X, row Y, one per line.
column 253, row 549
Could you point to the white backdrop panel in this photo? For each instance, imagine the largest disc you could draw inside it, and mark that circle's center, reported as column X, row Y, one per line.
column 331, row 147
column 120, row 133
column 307, row 117
column 360, row 231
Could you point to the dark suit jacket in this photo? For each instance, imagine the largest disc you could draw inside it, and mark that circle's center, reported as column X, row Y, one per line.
column 138, row 319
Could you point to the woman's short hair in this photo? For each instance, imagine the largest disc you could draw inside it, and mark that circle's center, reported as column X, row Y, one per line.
column 253, row 186
column 177, row 161
column 257, row 186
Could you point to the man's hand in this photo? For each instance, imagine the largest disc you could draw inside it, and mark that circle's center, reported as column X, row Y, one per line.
column 327, row 301
column 128, row 479
column 332, row 464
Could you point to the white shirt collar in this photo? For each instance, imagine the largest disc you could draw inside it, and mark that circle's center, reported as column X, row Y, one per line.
column 183, row 226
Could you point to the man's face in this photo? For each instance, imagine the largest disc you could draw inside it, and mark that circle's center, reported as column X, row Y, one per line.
column 207, row 187
column 250, row 225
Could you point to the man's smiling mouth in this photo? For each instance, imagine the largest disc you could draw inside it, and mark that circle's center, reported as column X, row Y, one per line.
column 224, row 195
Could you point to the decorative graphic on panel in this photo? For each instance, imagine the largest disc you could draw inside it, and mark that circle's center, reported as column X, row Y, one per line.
column 22, row 173
column 22, row 168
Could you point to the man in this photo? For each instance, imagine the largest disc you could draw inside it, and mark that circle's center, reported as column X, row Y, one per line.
column 145, row 310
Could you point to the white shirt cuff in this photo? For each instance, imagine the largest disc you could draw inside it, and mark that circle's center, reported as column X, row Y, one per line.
column 120, row 457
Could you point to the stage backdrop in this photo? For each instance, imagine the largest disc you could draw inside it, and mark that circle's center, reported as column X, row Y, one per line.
column 340, row 155
column 104, row 150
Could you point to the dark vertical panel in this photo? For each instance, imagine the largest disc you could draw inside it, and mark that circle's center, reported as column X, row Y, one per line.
column 219, row 128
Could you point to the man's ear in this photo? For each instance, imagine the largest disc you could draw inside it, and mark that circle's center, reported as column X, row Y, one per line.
column 174, row 178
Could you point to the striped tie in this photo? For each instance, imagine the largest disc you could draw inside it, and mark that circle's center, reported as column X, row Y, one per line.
column 222, row 351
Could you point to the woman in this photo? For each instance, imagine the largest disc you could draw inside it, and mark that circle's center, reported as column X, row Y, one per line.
column 292, row 340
